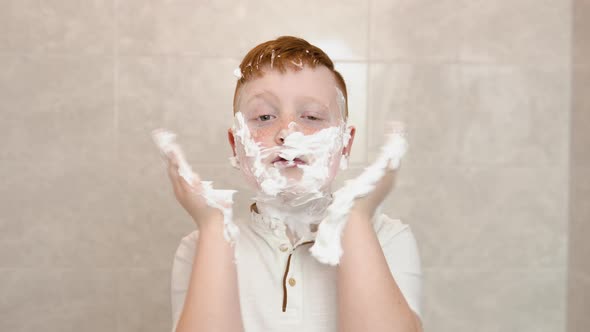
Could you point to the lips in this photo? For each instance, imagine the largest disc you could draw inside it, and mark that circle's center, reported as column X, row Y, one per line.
column 280, row 162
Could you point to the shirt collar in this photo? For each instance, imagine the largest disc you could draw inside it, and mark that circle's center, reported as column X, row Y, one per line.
column 269, row 225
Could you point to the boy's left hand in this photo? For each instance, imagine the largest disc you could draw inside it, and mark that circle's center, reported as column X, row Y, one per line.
column 360, row 197
column 366, row 206
column 371, row 187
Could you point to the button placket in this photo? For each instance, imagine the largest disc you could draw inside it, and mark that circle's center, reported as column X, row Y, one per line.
column 294, row 282
column 284, row 247
column 293, row 273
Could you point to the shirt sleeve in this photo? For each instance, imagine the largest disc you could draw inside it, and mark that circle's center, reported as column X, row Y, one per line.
column 401, row 252
column 181, row 274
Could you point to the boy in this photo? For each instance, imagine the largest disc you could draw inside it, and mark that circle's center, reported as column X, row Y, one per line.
column 289, row 140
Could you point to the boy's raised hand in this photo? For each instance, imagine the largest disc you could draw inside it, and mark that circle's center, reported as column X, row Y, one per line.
column 360, row 197
column 207, row 206
column 190, row 196
column 366, row 204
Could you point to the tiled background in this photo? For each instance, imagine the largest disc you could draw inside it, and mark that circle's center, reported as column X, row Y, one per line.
column 497, row 175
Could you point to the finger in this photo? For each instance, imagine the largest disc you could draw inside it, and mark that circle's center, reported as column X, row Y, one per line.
column 172, row 158
column 385, row 184
column 389, row 176
column 196, row 185
column 174, row 177
column 177, row 179
column 188, row 183
column 176, row 187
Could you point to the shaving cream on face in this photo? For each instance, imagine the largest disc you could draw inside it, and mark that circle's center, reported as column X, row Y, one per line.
column 218, row 199
column 296, row 189
column 327, row 247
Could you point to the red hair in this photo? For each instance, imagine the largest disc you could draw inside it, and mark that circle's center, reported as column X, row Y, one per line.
column 286, row 53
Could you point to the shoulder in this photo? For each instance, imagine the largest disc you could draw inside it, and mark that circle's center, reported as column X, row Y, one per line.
column 398, row 243
column 186, row 248
column 388, row 228
column 181, row 272
column 190, row 240
column 401, row 253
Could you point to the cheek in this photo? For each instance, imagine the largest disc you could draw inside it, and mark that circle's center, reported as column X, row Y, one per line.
column 334, row 166
column 264, row 136
column 246, row 166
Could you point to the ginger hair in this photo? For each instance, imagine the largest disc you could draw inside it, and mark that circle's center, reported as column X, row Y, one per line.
column 286, row 53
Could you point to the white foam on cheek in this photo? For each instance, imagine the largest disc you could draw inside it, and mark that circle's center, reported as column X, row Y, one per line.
column 248, row 152
column 218, row 199
column 345, row 140
column 327, row 247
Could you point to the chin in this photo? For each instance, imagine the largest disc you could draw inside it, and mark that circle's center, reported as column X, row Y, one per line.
column 292, row 173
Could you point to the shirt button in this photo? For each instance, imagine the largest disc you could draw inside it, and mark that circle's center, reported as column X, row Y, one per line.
column 284, row 247
column 292, row 282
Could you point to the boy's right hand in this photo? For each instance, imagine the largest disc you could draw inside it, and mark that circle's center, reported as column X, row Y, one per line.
column 191, row 198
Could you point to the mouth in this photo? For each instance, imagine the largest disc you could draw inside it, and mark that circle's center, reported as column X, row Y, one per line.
column 280, row 162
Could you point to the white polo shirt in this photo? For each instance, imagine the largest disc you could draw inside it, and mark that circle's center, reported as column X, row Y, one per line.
column 283, row 288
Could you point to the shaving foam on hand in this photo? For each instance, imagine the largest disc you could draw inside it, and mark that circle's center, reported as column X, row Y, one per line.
column 218, row 199
column 327, row 248
column 165, row 140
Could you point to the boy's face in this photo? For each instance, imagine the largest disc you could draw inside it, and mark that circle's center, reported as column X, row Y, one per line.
column 279, row 104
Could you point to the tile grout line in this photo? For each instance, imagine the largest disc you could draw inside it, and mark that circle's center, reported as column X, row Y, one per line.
column 115, row 54
column 569, row 164
column 116, row 75
column 368, row 123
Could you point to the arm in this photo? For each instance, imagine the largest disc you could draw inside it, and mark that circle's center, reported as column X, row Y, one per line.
column 369, row 297
column 212, row 301
column 370, row 300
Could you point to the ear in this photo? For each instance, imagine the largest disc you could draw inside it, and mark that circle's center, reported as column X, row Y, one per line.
column 346, row 150
column 232, row 141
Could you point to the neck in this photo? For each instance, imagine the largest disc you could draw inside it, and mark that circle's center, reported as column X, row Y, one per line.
column 301, row 214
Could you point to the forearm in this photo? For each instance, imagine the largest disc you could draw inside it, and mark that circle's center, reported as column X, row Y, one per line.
column 212, row 300
column 368, row 297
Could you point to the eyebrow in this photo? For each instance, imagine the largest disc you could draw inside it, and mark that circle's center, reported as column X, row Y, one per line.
column 262, row 95
column 311, row 100
column 269, row 96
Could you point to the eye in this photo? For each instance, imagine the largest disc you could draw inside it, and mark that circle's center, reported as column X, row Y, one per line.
column 265, row 117
column 311, row 117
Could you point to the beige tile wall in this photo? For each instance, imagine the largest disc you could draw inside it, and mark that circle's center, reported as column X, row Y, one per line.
column 88, row 225
column 579, row 248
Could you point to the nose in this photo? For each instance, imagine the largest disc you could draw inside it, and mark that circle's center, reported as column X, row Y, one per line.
column 281, row 140
column 285, row 131
column 280, row 136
